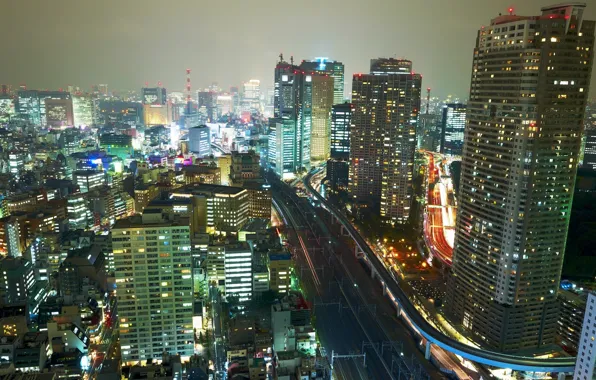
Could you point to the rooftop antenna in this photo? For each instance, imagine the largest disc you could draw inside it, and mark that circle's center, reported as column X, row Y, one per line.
column 281, row 57
column 291, row 60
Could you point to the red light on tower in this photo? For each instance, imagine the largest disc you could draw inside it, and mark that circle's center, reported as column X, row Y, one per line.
column 159, row 84
column 510, row 10
column 428, row 89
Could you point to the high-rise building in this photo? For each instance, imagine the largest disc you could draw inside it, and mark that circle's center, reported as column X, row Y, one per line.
column 453, row 123
column 529, row 88
column 251, row 96
column 341, row 117
column 238, row 271
column 55, row 109
column 154, row 96
column 244, row 167
column 16, row 280
column 7, row 110
column 334, row 69
column 27, row 106
column 79, row 216
column 291, row 125
column 589, row 158
column 88, row 180
column 280, row 264
column 585, row 367
column 199, row 139
column 83, row 110
column 153, row 265
column 207, row 103
column 322, row 101
column 383, row 137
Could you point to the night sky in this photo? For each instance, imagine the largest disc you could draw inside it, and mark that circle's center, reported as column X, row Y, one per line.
column 125, row 43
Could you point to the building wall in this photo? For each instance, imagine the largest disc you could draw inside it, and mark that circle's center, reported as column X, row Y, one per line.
column 518, row 174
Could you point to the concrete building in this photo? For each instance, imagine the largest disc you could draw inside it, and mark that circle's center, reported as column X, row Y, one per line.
column 259, row 200
column 153, row 265
column 17, row 280
column 585, row 367
column 245, row 167
column 341, row 118
column 88, row 180
column 518, row 174
column 383, row 137
column 280, row 264
column 238, row 271
column 77, row 209
column 334, row 69
column 199, row 140
column 453, row 123
column 216, row 209
column 209, row 174
column 322, row 101
column 10, row 237
column 215, row 266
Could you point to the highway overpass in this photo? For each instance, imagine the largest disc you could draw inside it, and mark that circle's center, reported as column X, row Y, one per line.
column 407, row 310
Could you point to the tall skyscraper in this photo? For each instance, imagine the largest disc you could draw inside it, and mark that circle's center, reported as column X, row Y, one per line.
column 334, row 69
column 200, row 140
column 585, row 368
column 291, row 125
column 589, row 158
column 529, row 88
column 341, row 117
column 453, row 123
column 322, row 101
column 153, row 264
column 383, row 137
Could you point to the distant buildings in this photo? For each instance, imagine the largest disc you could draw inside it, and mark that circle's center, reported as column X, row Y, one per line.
column 585, row 367
column 291, row 126
column 238, row 271
column 322, row 101
column 518, row 172
column 334, row 69
column 280, row 265
column 383, row 137
column 453, row 123
column 200, row 140
column 154, row 277
column 341, row 118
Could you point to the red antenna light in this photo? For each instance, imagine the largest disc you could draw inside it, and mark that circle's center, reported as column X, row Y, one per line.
column 146, row 84
column 159, row 84
column 510, row 10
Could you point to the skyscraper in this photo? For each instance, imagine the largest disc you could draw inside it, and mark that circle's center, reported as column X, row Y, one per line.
column 383, row 137
column 341, row 117
column 334, row 69
column 322, row 101
column 585, row 369
column 525, row 113
column 153, row 264
column 453, row 123
column 291, row 125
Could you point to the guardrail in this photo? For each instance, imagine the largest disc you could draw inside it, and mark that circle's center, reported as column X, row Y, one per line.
column 478, row 355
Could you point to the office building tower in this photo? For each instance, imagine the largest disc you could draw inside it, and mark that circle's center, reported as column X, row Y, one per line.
column 207, row 103
column 7, row 110
column 428, row 134
column 16, row 162
column 386, row 103
column 518, row 172
column 571, row 318
column 589, row 157
column 291, row 125
column 83, row 110
column 16, row 280
column 453, row 123
column 245, row 167
column 251, row 90
column 585, row 367
column 215, row 266
column 77, row 209
column 153, row 264
column 117, row 145
column 322, row 101
column 155, row 96
column 88, row 180
column 55, row 109
column 238, row 271
column 334, row 69
column 280, row 264
column 27, row 107
column 216, row 209
column 10, row 237
column 199, row 139
column 341, row 117
column 259, row 199
column 338, row 174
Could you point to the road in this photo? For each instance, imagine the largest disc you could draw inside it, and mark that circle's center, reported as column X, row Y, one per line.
column 330, row 281
column 439, row 215
column 418, row 322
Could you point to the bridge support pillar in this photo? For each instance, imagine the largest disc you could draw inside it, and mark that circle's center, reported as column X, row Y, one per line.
column 398, row 307
column 427, row 352
column 561, row 376
column 384, row 289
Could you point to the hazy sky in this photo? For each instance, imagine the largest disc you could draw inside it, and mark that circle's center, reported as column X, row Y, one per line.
column 125, row 43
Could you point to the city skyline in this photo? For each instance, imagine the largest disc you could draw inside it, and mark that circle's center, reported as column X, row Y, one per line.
column 132, row 40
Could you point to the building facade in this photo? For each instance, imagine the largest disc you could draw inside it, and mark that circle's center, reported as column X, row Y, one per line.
column 585, row 368
column 519, row 165
column 383, row 137
column 199, row 139
column 322, row 101
column 341, row 117
column 334, row 69
column 453, row 123
column 153, row 265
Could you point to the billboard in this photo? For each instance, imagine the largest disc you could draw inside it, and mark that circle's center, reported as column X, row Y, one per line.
column 154, row 96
